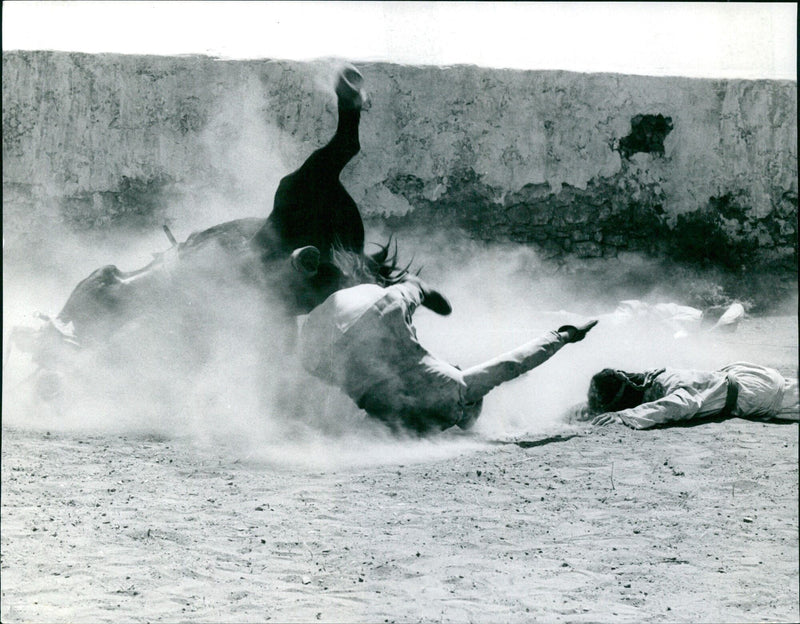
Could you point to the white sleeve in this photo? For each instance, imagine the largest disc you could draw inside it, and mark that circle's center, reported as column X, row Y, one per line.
column 681, row 404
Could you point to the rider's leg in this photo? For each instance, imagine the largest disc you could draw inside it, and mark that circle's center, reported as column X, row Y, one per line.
column 482, row 378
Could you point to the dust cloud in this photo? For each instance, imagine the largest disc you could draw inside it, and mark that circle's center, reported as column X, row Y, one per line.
column 226, row 382
column 230, row 388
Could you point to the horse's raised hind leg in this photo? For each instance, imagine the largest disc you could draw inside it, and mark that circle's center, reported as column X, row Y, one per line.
column 331, row 159
column 311, row 206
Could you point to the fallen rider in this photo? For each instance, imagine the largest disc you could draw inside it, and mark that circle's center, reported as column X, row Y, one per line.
column 663, row 396
column 362, row 340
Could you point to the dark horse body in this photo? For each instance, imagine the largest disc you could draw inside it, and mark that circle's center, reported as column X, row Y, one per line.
column 311, row 206
column 311, row 209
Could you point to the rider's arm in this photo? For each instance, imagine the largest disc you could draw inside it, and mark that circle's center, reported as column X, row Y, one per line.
column 682, row 404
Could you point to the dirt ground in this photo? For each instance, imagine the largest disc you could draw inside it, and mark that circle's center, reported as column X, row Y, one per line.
column 685, row 524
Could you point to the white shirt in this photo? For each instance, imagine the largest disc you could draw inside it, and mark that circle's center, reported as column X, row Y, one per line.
column 678, row 395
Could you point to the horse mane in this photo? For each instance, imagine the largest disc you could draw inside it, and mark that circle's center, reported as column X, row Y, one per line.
column 382, row 267
column 385, row 265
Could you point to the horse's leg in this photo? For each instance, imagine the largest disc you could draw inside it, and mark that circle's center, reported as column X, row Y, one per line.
column 327, row 162
column 311, row 206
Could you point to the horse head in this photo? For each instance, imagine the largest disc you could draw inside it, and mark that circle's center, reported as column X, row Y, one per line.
column 309, row 277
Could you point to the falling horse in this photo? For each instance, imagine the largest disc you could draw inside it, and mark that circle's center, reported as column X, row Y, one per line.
column 311, row 209
column 293, row 256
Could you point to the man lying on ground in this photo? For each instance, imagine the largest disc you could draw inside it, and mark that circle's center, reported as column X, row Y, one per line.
column 665, row 395
column 362, row 340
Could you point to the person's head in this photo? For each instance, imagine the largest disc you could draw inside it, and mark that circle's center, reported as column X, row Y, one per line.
column 612, row 390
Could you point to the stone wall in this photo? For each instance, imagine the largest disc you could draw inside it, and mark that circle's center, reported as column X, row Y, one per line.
column 586, row 165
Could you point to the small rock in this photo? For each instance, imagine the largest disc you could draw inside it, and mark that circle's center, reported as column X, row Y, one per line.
column 747, row 519
column 478, row 472
column 306, row 580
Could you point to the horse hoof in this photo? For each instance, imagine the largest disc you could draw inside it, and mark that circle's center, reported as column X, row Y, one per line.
column 349, row 88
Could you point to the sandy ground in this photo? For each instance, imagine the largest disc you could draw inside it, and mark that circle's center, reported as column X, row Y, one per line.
column 693, row 524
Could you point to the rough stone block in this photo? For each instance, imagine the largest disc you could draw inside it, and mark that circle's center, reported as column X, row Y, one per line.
column 587, row 249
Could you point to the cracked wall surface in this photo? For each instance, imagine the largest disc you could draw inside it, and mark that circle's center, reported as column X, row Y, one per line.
column 586, row 165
